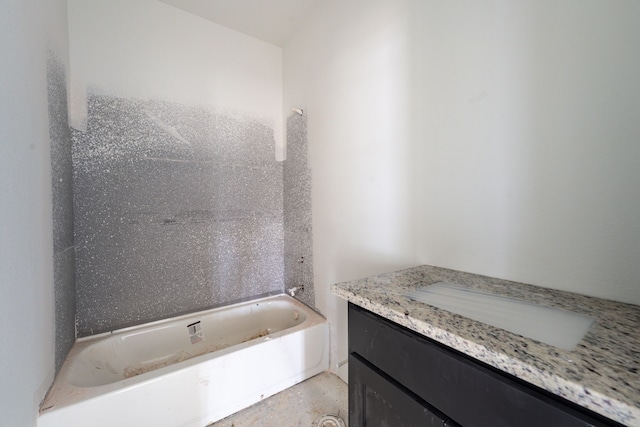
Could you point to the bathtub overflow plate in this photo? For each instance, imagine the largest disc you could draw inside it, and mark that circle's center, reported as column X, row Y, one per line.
column 328, row 421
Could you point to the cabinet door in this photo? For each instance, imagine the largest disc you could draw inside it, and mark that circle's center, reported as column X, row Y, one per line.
column 471, row 393
column 377, row 401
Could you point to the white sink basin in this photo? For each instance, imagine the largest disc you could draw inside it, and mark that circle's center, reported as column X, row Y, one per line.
column 557, row 327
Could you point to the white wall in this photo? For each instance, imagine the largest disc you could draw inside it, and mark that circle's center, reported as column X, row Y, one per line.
column 27, row 30
column 149, row 50
column 527, row 120
column 493, row 137
column 348, row 70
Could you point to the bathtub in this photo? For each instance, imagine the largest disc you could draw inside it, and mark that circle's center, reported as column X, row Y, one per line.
column 190, row 370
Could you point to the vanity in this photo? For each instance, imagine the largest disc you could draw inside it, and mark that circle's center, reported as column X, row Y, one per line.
column 412, row 363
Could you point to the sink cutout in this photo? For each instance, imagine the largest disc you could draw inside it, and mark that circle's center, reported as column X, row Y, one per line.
column 553, row 326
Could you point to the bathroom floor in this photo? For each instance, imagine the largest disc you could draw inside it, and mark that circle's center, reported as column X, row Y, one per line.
column 297, row 406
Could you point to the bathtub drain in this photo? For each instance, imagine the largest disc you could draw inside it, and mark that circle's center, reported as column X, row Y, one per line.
column 328, row 421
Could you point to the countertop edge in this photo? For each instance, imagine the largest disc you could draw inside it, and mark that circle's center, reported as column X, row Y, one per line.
column 576, row 393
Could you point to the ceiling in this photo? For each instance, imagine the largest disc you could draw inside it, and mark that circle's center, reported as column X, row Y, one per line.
column 273, row 21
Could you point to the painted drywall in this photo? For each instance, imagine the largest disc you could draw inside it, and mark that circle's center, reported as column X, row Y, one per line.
column 145, row 49
column 348, row 69
column 493, row 137
column 177, row 189
column 273, row 21
column 28, row 31
column 527, row 119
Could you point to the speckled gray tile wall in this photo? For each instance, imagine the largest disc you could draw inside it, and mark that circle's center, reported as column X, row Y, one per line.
column 298, row 243
column 177, row 208
column 62, row 195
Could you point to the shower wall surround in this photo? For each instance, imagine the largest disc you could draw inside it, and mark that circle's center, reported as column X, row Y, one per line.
column 298, row 243
column 62, row 197
column 179, row 181
column 177, row 208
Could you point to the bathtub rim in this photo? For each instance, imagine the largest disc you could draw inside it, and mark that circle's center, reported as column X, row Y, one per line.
column 179, row 314
column 63, row 393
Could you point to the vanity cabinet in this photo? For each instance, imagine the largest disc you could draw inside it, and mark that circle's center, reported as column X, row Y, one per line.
column 398, row 378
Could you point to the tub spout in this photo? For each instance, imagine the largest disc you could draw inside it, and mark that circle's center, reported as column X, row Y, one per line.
column 292, row 291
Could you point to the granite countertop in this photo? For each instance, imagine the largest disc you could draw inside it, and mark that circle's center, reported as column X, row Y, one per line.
column 602, row 373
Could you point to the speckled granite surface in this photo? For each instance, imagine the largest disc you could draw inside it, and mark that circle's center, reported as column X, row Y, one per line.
column 602, row 373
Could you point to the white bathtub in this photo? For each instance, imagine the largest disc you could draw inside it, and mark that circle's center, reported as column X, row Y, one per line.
column 191, row 370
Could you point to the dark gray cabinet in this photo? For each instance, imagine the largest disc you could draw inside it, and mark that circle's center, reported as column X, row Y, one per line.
column 380, row 401
column 398, row 378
